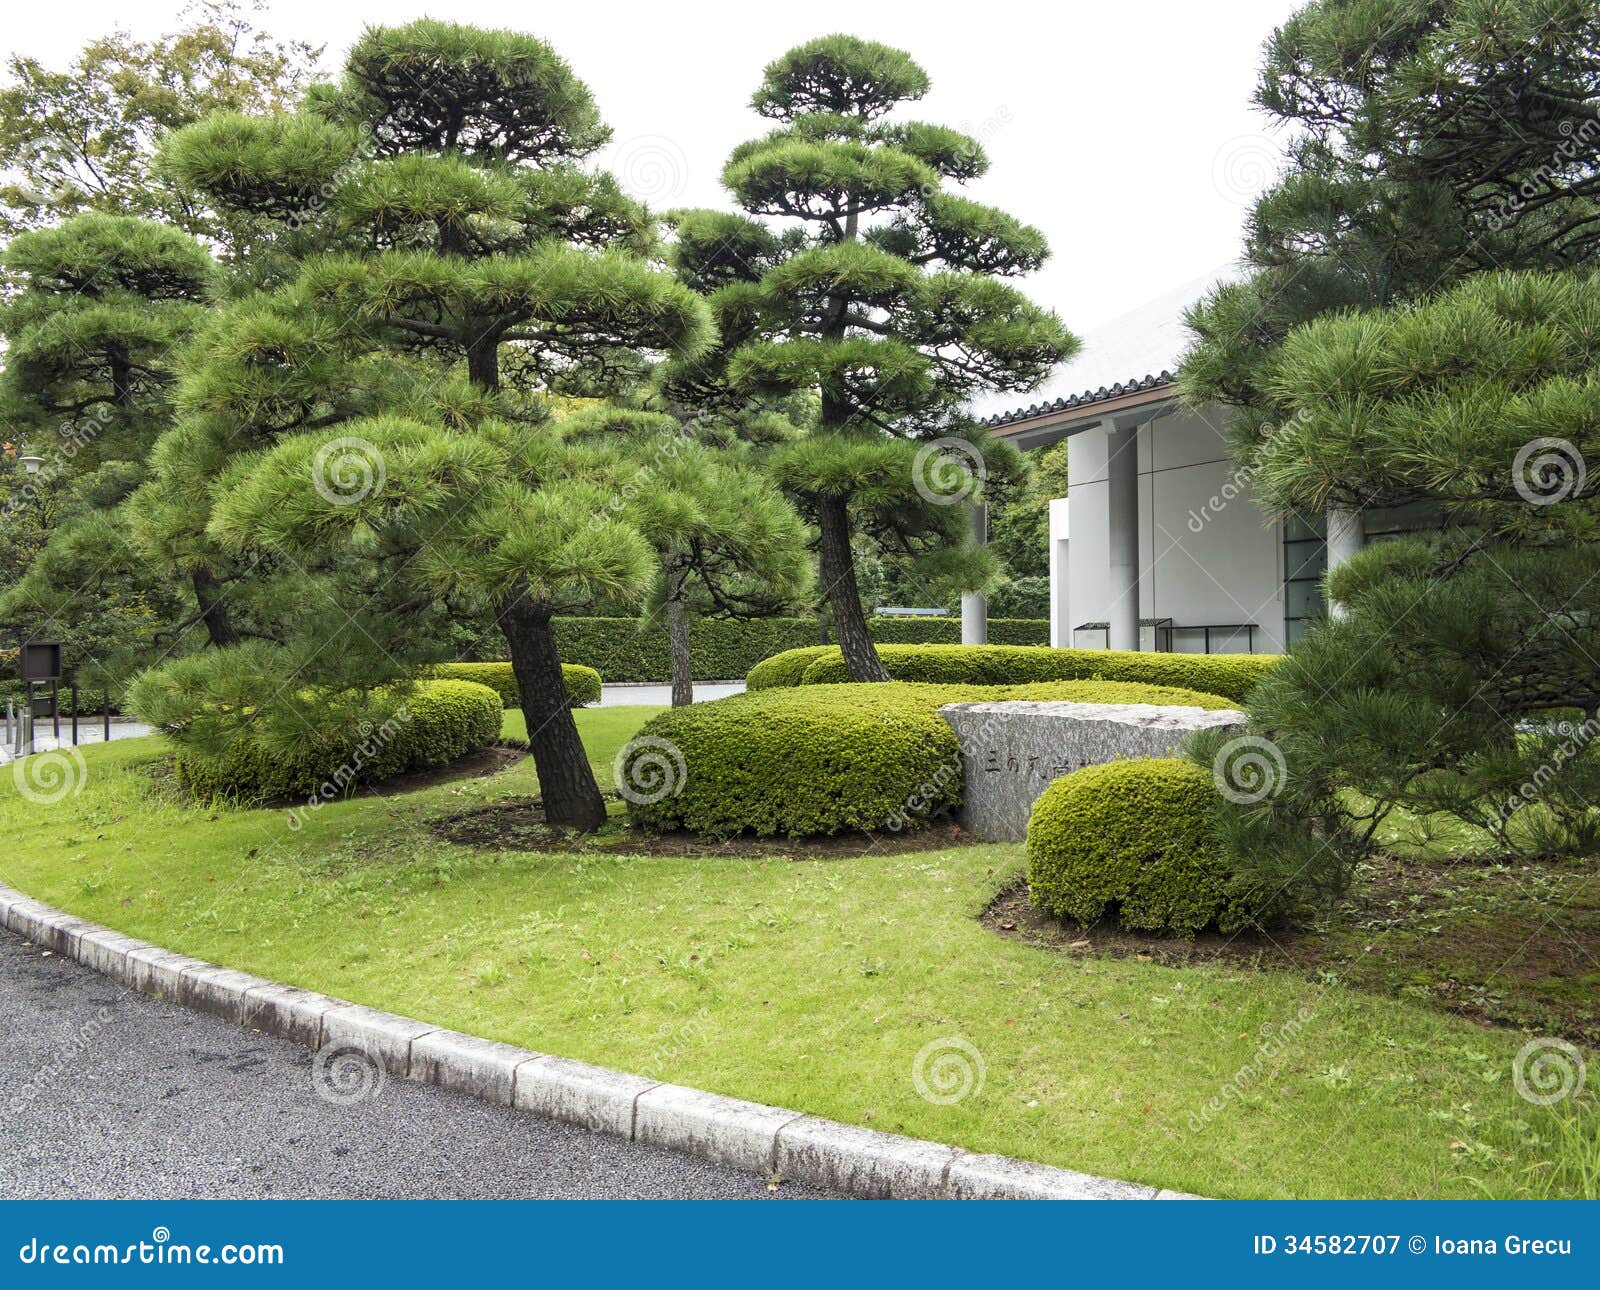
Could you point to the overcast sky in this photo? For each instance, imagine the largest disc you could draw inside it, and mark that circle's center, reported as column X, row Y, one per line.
column 1124, row 130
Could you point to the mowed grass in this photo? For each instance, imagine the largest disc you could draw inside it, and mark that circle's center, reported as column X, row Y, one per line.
column 811, row 984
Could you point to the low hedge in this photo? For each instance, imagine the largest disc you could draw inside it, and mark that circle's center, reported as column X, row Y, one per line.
column 827, row 758
column 726, row 649
column 582, row 683
column 434, row 724
column 796, row 762
column 1230, row 675
column 1132, row 840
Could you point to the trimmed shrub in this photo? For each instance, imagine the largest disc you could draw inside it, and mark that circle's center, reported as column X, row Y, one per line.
column 797, row 762
column 725, row 649
column 1230, row 675
column 582, row 683
column 1133, row 840
column 785, row 669
column 434, row 724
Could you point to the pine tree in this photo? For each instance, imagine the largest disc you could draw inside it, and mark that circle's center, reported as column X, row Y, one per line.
column 450, row 157
column 101, row 307
column 884, row 299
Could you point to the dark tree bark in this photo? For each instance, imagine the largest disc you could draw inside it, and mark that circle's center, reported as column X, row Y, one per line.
column 678, row 645
column 213, row 608
column 861, row 660
column 566, row 782
column 483, row 362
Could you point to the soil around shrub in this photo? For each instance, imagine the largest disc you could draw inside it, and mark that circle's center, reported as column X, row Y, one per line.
column 1514, row 945
column 518, row 824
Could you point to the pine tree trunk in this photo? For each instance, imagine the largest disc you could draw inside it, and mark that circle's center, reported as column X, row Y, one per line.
column 678, row 644
column 213, row 609
column 566, row 782
column 483, row 362
column 839, row 581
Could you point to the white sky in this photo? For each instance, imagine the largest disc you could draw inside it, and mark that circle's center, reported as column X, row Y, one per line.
column 1124, row 130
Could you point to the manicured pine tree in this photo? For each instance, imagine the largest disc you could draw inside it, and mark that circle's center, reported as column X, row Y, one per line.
column 883, row 297
column 452, row 154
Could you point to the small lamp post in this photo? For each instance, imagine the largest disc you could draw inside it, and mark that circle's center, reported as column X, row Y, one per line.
column 33, row 465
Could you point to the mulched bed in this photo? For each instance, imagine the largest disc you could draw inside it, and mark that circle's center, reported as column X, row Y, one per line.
column 1514, row 944
column 517, row 824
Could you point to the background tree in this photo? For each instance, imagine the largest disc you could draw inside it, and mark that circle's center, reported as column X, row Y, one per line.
column 884, row 300
column 1426, row 143
column 1462, row 678
column 727, row 542
column 83, row 138
column 100, row 306
column 453, row 155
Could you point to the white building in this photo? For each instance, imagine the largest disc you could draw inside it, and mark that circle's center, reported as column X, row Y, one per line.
column 1159, row 544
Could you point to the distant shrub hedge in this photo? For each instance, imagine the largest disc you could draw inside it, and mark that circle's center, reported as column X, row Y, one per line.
column 1132, row 840
column 583, row 683
column 1230, row 675
column 726, row 649
column 434, row 724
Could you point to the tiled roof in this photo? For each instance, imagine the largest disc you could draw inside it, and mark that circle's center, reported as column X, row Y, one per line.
column 1087, row 398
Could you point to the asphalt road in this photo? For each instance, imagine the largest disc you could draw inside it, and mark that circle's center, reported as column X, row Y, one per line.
column 108, row 1093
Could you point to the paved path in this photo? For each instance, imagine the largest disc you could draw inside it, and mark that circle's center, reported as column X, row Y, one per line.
column 90, row 731
column 618, row 695
column 108, row 1093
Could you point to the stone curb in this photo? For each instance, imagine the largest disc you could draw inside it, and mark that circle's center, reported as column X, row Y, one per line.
column 743, row 1135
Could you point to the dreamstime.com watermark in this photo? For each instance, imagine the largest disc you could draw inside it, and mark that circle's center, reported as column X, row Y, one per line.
column 1574, row 739
column 1249, row 769
column 947, row 1070
column 160, row 1250
column 73, row 437
column 52, row 776
column 1546, row 1071
column 649, row 769
column 947, row 471
column 1546, row 471
column 1275, row 1040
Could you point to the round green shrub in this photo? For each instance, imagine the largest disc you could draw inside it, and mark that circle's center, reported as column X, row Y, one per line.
column 1230, row 675
column 1132, row 839
column 799, row 762
column 582, row 683
column 785, row 669
column 435, row 723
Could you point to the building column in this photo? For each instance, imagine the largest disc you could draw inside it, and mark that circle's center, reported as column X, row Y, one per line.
column 1345, row 538
column 974, row 604
column 1060, row 569
column 1122, row 584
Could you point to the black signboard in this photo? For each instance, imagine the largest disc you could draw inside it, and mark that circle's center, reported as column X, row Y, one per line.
column 40, row 661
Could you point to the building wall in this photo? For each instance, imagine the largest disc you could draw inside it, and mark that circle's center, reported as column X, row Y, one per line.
column 1207, row 552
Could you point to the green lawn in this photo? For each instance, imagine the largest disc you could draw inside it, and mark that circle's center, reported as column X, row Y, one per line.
column 811, row 984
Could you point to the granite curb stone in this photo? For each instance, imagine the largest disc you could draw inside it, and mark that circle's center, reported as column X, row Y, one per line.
column 750, row 1135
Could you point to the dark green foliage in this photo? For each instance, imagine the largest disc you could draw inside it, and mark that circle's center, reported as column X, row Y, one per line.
column 432, row 724
column 1460, row 681
column 1231, row 676
column 1132, row 840
column 583, row 683
column 798, row 763
column 1427, row 142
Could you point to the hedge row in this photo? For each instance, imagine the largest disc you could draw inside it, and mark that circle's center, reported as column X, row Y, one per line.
column 726, row 649
column 1230, row 675
column 825, row 759
column 582, row 683
column 437, row 722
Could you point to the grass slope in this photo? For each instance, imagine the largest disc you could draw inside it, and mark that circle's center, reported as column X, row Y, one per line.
column 811, row 984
